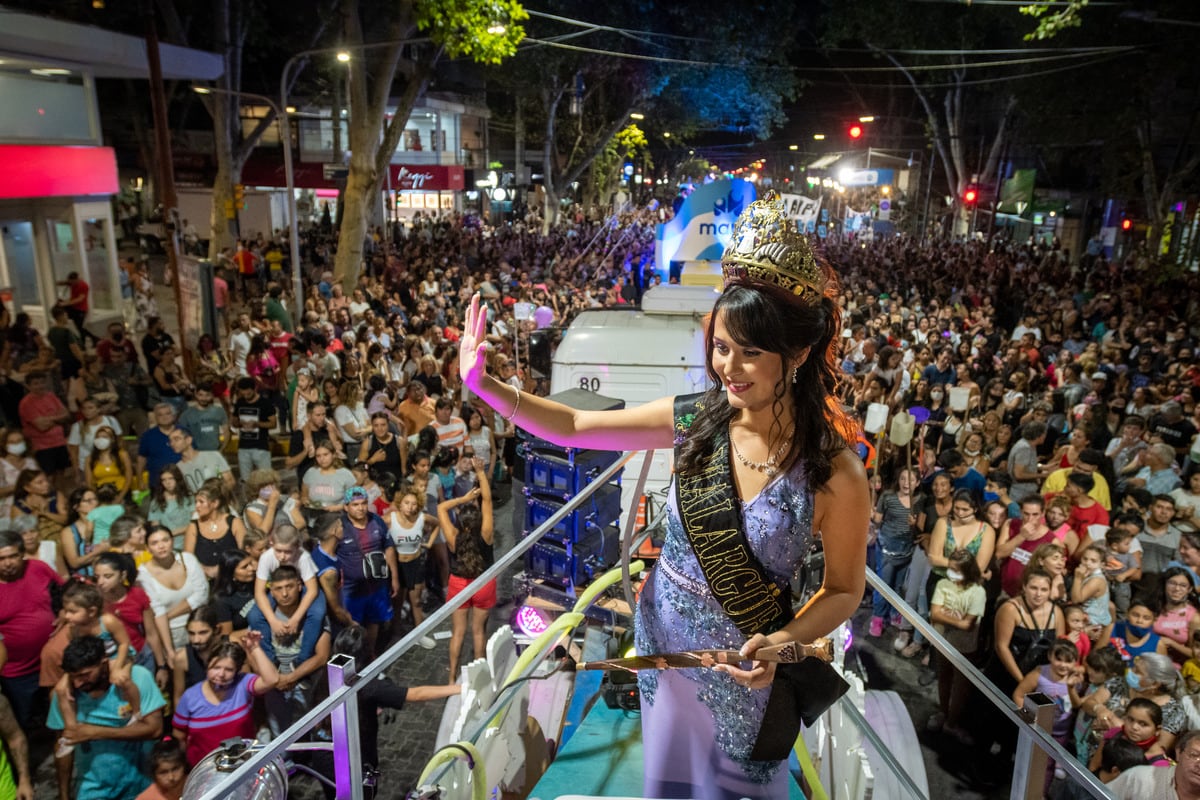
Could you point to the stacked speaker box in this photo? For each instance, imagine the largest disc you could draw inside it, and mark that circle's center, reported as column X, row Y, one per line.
column 586, row 542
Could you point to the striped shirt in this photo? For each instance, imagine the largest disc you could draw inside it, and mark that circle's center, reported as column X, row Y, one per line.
column 207, row 725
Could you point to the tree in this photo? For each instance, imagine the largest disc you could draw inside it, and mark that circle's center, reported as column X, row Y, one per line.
column 483, row 30
column 1134, row 113
column 233, row 24
column 967, row 122
column 580, row 82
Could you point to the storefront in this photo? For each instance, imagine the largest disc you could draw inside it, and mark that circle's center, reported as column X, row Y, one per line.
column 408, row 188
column 55, row 219
column 56, row 188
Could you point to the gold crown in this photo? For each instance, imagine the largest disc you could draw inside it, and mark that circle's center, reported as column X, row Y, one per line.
column 767, row 248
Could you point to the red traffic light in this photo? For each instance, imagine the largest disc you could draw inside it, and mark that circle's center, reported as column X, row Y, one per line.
column 856, row 131
column 970, row 196
column 1126, row 224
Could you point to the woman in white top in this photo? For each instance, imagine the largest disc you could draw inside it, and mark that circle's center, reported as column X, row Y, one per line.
column 429, row 287
column 176, row 586
column 350, row 416
column 413, row 533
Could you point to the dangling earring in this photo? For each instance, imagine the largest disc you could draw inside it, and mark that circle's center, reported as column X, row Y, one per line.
column 795, row 374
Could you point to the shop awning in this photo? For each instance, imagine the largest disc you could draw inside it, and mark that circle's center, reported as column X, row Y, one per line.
column 105, row 53
column 57, row 171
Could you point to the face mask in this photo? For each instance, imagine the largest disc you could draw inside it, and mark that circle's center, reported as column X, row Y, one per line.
column 954, row 575
column 1132, row 678
column 103, row 443
column 972, row 453
column 990, row 497
column 935, row 395
column 16, row 449
column 1137, row 630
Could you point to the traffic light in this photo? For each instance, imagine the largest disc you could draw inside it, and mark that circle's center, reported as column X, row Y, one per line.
column 1126, row 224
column 856, row 132
column 970, row 196
column 239, row 196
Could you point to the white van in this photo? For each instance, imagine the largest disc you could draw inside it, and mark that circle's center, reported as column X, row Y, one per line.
column 638, row 356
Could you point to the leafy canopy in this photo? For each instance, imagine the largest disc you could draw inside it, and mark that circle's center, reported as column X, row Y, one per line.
column 487, row 31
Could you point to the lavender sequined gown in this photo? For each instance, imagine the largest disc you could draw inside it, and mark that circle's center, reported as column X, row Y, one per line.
column 699, row 726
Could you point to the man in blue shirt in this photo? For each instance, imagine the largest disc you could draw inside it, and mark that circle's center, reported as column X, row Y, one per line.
column 962, row 475
column 154, row 446
column 111, row 743
column 940, row 371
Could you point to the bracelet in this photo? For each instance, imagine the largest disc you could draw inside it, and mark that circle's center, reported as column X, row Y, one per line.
column 509, row 418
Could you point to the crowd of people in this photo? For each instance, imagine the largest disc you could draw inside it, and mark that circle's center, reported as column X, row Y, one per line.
column 178, row 546
column 1044, row 512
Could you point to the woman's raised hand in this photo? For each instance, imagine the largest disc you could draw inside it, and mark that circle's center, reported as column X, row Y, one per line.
column 471, row 361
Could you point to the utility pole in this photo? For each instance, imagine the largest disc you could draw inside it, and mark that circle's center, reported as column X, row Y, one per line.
column 166, row 177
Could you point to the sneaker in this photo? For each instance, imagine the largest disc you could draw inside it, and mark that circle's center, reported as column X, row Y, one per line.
column 913, row 649
column 935, row 722
column 902, row 640
column 427, row 642
column 896, row 620
column 876, row 627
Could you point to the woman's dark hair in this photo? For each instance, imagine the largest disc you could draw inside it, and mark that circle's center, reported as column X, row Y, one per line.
column 1152, row 709
column 446, row 457
column 353, row 642
column 375, row 385
column 121, row 563
column 468, row 547
column 1175, row 572
column 427, row 439
column 1107, row 661
column 26, row 477
column 965, row 496
column 771, row 319
column 74, row 499
column 158, row 495
column 227, row 564
column 227, row 649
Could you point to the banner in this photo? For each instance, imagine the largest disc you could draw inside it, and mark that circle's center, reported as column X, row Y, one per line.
column 803, row 210
column 701, row 229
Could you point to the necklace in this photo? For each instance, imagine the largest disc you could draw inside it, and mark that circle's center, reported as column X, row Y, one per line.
column 770, row 467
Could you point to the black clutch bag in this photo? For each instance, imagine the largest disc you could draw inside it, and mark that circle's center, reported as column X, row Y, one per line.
column 800, row 694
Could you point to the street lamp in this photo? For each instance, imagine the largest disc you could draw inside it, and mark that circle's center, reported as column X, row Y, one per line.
column 285, row 133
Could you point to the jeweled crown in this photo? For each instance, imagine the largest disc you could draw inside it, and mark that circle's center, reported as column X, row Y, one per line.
column 767, row 248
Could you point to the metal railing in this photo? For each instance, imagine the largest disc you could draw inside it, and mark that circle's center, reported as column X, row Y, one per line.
column 344, row 688
column 1035, row 744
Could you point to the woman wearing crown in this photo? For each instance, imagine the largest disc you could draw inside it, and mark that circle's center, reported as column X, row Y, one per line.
column 762, row 465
